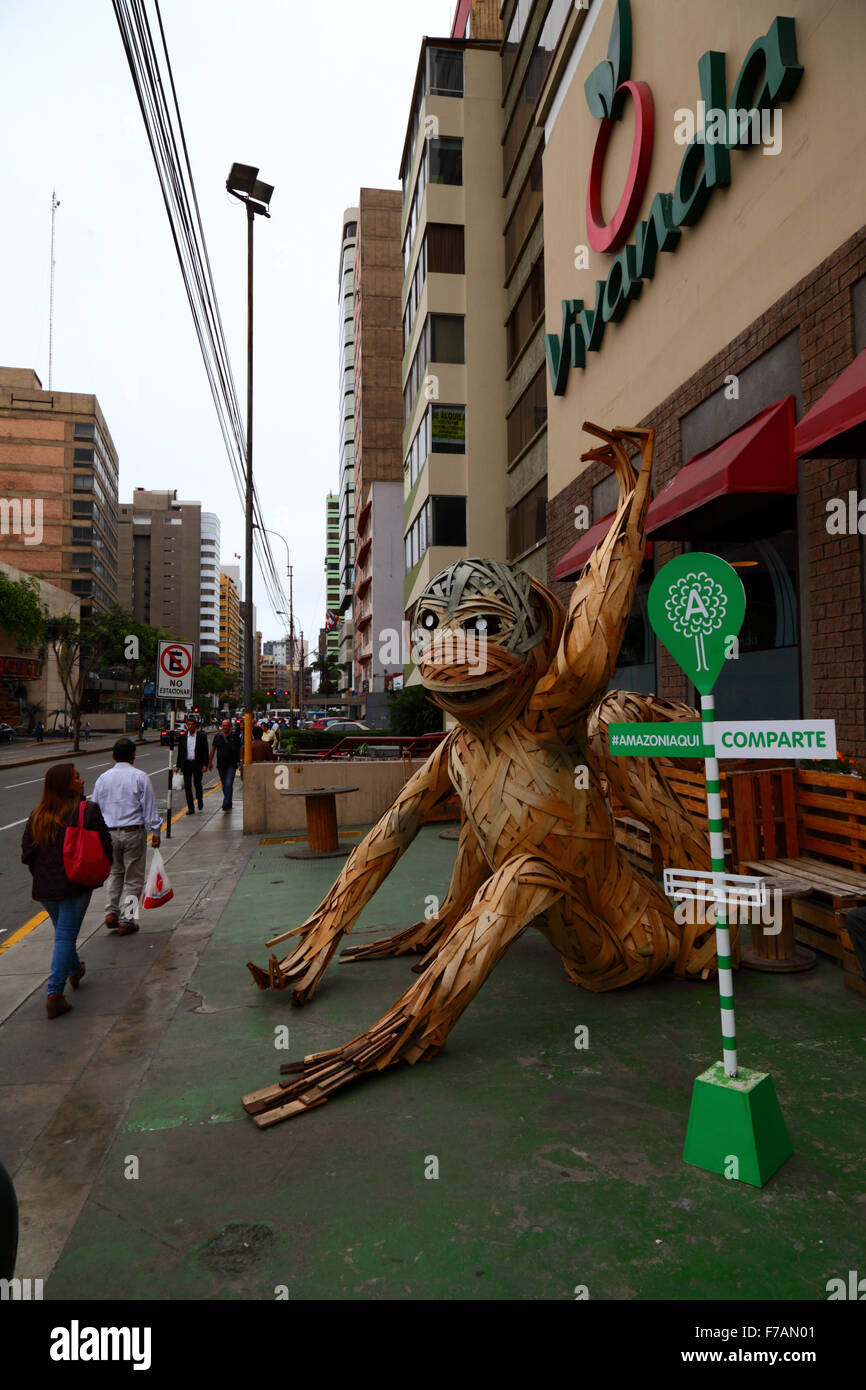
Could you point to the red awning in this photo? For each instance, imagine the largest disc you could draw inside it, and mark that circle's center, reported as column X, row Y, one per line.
column 835, row 427
column 572, row 563
column 755, row 461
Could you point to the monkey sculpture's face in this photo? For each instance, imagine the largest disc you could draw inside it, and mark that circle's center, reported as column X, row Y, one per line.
column 476, row 635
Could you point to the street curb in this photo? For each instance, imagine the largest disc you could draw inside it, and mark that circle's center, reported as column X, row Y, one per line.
column 82, row 753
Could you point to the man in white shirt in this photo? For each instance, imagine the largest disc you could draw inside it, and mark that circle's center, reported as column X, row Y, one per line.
column 126, row 799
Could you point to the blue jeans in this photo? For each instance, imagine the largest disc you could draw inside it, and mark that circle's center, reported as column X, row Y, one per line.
column 227, row 777
column 67, row 914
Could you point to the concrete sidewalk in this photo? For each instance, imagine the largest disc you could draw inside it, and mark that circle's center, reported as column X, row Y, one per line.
column 65, row 1084
column 513, row 1166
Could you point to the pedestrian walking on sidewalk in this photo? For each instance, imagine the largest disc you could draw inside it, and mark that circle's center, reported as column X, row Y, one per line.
column 87, row 732
column 226, row 747
column 192, row 761
column 127, row 801
column 42, row 852
column 40, row 731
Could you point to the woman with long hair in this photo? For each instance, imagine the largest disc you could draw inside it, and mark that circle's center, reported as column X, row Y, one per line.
column 42, row 852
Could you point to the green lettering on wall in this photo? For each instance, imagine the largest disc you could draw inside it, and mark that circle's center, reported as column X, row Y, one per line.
column 658, row 233
column 703, row 166
column 770, row 71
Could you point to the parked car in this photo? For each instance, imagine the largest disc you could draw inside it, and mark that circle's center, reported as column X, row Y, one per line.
column 167, row 737
column 347, row 726
column 7, row 733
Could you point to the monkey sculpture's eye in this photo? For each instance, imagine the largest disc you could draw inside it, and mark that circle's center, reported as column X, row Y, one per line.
column 428, row 620
column 488, row 626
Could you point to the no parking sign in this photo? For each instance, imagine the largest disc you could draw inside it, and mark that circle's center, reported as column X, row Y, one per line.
column 174, row 665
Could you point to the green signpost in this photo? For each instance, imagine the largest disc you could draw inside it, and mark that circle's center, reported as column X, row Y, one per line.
column 696, row 607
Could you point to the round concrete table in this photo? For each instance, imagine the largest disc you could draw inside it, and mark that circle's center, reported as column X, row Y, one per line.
column 776, row 950
column 321, row 808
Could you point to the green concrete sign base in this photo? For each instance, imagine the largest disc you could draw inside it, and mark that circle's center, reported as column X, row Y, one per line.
column 736, row 1127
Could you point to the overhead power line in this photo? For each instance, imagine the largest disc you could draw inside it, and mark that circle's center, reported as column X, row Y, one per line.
column 155, row 90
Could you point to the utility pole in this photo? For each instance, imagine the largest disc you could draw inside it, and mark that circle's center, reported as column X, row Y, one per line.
column 55, row 204
column 292, row 645
column 301, row 682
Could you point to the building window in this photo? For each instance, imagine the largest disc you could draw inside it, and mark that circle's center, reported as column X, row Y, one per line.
column 83, row 429
column 82, row 456
column 82, row 507
column 442, row 431
column 523, row 218
column 350, row 230
column 526, row 312
column 528, row 416
column 533, row 82
column 445, row 248
column 445, row 72
column 441, row 521
column 445, row 157
column 82, row 482
column 82, row 533
column 441, row 340
column 527, row 521
column 764, row 681
column 81, row 586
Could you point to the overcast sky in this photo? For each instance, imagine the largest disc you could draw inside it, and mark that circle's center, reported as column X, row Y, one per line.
column 317, row 95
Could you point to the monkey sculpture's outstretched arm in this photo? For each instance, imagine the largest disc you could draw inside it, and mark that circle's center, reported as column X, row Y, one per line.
column 366, row 868
column 604, row 593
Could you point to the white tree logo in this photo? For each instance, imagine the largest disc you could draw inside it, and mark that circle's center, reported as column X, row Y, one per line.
column 696, row 606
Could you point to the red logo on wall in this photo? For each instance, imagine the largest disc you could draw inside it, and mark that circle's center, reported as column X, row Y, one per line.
column 607, row 88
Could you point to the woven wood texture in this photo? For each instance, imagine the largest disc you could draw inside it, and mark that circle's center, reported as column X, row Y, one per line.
column 528, row 761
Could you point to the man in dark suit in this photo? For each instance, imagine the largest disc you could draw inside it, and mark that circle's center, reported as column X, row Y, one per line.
column 192, row 760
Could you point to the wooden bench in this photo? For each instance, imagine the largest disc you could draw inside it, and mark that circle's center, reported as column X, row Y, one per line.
column 813, row 825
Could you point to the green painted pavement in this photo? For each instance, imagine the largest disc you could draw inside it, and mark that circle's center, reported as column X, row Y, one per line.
column 557, row 1166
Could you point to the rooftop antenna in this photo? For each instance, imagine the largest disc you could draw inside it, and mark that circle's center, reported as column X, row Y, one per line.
column 55, row 204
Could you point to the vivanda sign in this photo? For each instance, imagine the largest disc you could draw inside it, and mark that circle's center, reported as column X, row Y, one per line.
column 769, row 74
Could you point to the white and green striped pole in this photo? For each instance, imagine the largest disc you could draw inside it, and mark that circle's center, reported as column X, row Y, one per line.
column 717, row 858
column 696, row 606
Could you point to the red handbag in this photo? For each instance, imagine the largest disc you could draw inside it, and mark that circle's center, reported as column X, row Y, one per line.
column 85, row 862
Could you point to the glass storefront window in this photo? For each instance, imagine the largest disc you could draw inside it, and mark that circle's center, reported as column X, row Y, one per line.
column 764, row 681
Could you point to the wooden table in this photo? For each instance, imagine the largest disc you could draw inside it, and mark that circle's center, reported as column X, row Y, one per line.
column 321, row 808
column 777, row 950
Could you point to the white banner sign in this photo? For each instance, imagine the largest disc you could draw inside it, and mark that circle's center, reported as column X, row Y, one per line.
column 776, row 738
column 174, row 665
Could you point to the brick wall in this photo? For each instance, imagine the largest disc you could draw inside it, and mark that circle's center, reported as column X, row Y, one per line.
column 820, row 306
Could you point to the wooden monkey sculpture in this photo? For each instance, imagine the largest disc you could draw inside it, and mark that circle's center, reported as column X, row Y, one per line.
column 523, row 678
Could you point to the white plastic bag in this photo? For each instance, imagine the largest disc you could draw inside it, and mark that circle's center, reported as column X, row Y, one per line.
column 157, row 889
column 177, row 782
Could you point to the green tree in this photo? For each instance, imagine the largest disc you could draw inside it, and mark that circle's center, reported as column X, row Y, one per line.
column 22, row 612
column 81, row 648
column 413, row 712
column 328, row 668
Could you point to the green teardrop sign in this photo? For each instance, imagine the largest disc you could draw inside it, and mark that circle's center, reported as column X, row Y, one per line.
column 696, row 604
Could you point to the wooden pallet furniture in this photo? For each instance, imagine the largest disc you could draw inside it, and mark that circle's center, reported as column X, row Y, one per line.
column 812, row 825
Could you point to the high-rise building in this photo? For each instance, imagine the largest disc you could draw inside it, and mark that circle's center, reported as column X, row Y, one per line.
column 455, row 484
column 378, row 600
column 346, row 436
column 332, row 576
column 58, row 489
column 159, row 565
column 230, row 622
column 209, row 583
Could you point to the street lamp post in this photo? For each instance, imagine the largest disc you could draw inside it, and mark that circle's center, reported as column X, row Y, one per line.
column 244, row 184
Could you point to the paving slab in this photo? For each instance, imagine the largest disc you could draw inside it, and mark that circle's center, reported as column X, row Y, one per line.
column 515, row 1165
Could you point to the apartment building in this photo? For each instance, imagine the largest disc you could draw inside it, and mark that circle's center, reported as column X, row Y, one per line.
column 209, row 590
column 378, row 580
column 58, row 489
column 230, row 624
column 332, row 576
column 159, row 562
column 455, row 481
column 346, row 435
